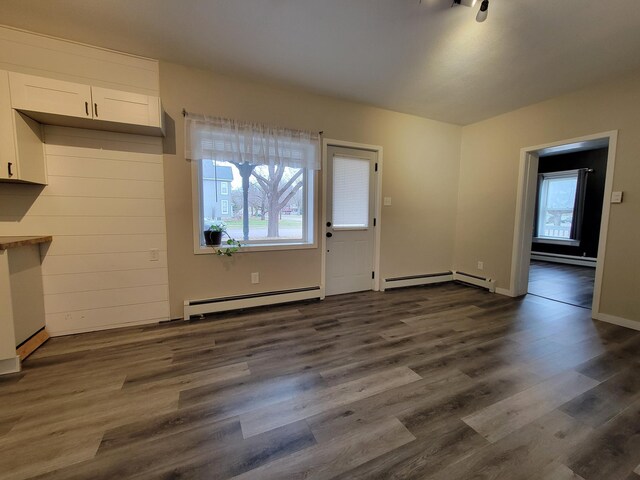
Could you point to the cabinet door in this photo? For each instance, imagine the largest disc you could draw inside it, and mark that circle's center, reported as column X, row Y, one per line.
column 125, row 107
column 8, row 166
column 46, row 95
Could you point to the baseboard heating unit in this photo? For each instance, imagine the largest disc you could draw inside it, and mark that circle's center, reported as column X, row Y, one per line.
column 566, row 259
column 475, row 280
column 223, row 304
column 415, row 280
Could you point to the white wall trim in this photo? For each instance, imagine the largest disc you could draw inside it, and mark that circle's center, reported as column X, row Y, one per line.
column 525, row 206
column 417, row 280
column 604, row 224
column 97, row 328
column 623, row 322
column 487, row 283
column 329, row 142
column 565, row 259
column 504, row 291
column 10, row 365
column 214, row 305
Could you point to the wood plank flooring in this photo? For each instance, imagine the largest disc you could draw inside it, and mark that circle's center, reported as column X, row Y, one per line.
column 444, row 382
column 571, row 284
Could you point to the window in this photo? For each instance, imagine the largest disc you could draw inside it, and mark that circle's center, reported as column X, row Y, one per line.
column 560, row 205
column 268, row 176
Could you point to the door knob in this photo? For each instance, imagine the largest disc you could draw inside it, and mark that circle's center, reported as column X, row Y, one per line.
column 329, row 234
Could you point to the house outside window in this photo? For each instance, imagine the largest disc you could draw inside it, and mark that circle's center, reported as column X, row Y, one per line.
column 224, row 188
column 213, row 179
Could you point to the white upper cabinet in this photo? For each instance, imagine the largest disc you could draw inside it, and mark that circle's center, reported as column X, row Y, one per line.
column 47, row 95
column 21, row 150
column 56, row 102
column 126, row 107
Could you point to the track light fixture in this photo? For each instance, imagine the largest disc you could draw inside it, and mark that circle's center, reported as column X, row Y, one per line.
column 466, row 3
column 483, row 12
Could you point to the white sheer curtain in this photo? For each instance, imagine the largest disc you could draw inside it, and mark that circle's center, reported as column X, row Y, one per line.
column 226, row 140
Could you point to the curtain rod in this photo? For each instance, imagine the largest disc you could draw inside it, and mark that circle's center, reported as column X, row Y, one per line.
column 185, row 113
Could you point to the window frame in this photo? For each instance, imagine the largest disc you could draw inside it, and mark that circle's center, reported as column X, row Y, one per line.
column 224, row 188
column 310, row 227
column 549, row 176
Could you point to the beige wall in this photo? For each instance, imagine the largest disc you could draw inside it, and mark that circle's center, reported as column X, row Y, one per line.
column 420, row 174
column 489, row 165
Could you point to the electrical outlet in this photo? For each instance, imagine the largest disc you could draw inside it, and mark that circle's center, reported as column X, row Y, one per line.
column 255, row 277
column 154, row 255
column 480, row 265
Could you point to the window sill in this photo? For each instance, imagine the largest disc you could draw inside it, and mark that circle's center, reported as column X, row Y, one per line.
column 201, row 250
column 557, row 241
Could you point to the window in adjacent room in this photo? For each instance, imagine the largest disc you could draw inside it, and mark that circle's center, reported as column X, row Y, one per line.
column 269, row 178
column 560, row 206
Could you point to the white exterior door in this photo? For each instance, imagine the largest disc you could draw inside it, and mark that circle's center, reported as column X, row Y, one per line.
column 350, row 208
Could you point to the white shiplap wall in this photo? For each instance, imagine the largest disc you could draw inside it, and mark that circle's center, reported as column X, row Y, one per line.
column 104, row 204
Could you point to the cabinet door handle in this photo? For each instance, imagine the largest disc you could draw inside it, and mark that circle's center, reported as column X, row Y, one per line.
column 95, row 107
column 9, row 169
column 86, row 108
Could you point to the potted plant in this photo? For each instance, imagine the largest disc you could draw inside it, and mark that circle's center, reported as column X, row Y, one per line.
column 230, row 247
column 213, row 238
column 213, row 235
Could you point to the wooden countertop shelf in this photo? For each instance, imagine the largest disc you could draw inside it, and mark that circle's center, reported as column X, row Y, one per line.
column 12, row 242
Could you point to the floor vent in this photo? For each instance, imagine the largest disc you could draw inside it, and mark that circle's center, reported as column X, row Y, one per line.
column 223, row 304
column 475, row 280
column 415, row 280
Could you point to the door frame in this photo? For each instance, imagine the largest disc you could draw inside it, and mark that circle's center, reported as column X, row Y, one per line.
column 525, row 212
column 329, row 142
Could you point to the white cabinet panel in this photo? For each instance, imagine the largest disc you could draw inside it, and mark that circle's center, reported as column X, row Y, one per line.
column 125, row 107
column 21, row 149
column 7, row 145
column 47, row 95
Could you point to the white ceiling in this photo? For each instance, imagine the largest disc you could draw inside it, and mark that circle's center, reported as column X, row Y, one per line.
column 422, row 58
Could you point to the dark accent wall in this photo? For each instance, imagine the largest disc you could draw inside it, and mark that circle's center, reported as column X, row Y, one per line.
column 596, row 160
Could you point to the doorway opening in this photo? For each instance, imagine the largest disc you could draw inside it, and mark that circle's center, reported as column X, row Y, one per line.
column 566, row 223
column 351, row 217
column 562, row 218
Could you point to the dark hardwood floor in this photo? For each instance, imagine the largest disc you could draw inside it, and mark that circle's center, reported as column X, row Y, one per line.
column 445, row 382
column 571, row 284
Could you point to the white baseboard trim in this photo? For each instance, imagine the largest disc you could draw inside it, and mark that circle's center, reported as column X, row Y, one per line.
column 74, row 331
column 622, row 322
column 9, row 365
column 566, row 259
column 417, row 280
column 505, row 291
column 214, row 305
column 475, row 280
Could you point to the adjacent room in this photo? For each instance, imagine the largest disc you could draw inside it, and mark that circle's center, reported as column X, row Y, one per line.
column 319, row 239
